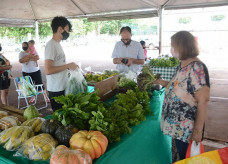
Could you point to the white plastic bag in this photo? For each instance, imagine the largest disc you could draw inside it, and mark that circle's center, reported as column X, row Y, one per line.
column 76, row 82
column 194, row 149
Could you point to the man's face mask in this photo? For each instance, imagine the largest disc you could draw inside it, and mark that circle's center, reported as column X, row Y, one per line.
column 25, row 48
column 126, row 41
column 0, row 48
column 65, row 35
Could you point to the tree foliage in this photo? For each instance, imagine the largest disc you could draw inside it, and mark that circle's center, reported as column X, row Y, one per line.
column 217, row 17
column 185, row 20
column 81, row 27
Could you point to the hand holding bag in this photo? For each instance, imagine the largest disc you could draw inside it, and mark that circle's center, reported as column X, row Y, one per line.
column 194, row 149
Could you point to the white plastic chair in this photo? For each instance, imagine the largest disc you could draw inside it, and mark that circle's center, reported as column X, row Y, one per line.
column 21, row 93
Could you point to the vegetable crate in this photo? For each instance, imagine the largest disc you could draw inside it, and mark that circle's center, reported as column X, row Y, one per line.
column 106, row 87
column 165, row 72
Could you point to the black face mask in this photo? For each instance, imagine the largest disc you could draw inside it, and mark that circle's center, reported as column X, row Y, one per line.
column 0, row 48
column 65, row 35
column 25, row 48
column 126, row 43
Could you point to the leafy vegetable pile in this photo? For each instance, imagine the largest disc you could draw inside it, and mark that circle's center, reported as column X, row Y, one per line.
column 85, row 111
column 164, row 62
column 77, row 109
column 146, row 79
column 91, row 77
column 125, row 84
column 128, row 109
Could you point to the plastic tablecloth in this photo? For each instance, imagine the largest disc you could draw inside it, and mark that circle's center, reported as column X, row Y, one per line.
column 145, row 145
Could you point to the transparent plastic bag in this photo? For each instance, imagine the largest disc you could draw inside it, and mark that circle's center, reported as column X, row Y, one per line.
column 3, row 114
column 15, row 136
column 35, row 124
column 8, row 122
column 64, row 155
column 39, row 147
column 76, row 82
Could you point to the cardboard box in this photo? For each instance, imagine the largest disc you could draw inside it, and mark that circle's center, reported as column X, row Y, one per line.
column 106, row 87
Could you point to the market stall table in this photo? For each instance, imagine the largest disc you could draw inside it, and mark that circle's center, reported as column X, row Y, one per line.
column 146, row 144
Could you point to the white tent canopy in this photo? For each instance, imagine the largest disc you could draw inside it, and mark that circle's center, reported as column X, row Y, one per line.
column 26, row 12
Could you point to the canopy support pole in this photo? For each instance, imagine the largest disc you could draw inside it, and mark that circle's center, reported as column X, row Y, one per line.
column 37, row 33
column 160, row 30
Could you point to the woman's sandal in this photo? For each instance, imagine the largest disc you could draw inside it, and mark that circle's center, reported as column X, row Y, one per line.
column 32, row 100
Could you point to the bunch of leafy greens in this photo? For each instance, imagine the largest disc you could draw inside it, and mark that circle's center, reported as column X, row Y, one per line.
column 146, row 79
column 77, row 109
column 91, row 77
column 164, row 62
column 127, row 110
column 126, row 83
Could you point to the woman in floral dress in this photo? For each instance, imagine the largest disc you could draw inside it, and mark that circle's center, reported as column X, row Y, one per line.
column 187, row 94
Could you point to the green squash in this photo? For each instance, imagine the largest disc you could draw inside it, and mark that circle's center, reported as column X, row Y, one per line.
column 50, row 126
column 64, row 133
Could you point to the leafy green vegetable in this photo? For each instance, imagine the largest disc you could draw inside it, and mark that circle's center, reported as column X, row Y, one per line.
column 91, row 77
column 163, row 62
column 77, row 109
column 146, row 78
column 31, row 112
column 127, row 110
column 126, row 83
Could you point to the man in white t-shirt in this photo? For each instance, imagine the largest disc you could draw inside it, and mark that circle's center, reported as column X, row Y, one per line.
column 55, row 62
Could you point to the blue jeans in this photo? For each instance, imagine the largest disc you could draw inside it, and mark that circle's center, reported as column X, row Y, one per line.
column 181, row 148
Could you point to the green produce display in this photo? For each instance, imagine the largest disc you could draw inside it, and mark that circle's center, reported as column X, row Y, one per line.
column 127, row 110
column 125, row 83
column 35, row 124
column 77, row 109
column 15, row 136
column 64, row 133
column 31, row 112
column 50, row 126
column 164, row 62
column 146, row 78
column 39, row 147
column 91, row 77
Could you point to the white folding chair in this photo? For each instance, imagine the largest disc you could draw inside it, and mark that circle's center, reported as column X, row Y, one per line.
column 22, row 95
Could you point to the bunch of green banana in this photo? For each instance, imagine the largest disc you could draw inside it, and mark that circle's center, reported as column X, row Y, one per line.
column 39, row 147
column 90, row 77
column 18, row 135
column 35, row 123
column 6, row 134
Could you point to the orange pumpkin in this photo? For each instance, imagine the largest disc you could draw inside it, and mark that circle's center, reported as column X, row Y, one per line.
column 92, row 142
column 63, row 155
